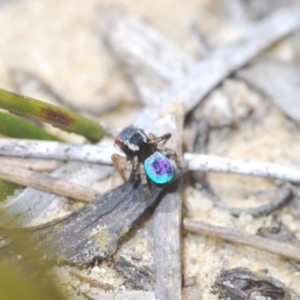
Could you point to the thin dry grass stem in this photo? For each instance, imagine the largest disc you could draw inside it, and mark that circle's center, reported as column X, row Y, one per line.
column 236, row 236
column 283, row 195
column 92, row 282
column 46, row 183
column 41, row 165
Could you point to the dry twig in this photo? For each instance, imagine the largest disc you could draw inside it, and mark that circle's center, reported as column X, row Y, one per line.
column 167, row 217
column 284, row 194
column 46, row 183
column 31, row 205
column 42, row 165
column 93, row 282
column 236, row 236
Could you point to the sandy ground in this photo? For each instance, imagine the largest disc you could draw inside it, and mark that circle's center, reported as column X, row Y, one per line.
column 59, row 41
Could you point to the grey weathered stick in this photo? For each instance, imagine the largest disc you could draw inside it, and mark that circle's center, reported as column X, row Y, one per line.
column 236, row 236
column 142, row 49
column 102, row 154
column 46, row 183
column 212, row 163
column 167, row 217
column 55, row 150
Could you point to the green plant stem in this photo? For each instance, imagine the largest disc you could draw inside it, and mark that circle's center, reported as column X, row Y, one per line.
column 57, row 116
column 16, row 127
column 6, row 189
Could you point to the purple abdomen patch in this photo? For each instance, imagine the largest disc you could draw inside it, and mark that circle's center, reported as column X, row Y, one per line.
column 159, row 168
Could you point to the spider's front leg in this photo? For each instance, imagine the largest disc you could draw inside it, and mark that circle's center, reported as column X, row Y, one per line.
column 134, row 169
column 170, row 153
column 144, row 178
column 119, row 162
column 161, row 147
column 154, row 140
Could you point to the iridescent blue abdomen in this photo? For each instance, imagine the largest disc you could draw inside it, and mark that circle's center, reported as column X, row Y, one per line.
column 159, row 168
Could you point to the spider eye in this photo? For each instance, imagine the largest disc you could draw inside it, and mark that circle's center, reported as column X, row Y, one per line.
column 159, row 168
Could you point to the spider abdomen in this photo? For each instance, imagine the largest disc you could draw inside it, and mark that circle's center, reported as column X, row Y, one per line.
column 159, row 168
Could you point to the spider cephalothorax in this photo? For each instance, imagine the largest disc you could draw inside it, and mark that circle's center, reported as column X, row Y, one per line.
column 147, row 154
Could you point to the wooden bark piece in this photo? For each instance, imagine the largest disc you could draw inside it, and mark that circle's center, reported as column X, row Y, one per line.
column 93, row 231
column 240, row 283
column 138, row 277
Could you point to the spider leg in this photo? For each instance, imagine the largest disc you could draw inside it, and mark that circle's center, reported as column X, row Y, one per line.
column 154, row 140
column 161, row 148
column 170, row 153
column 119, row 162
column 134, row 169
column 144, row 178
column 151, row 136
